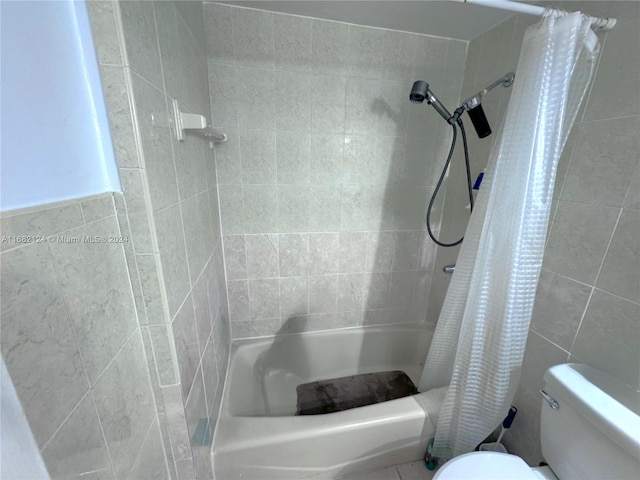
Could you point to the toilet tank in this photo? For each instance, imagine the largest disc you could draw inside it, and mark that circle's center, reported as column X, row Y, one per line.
column 595, row 431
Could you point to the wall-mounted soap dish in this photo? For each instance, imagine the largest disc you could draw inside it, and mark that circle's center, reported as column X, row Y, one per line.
column 195, row 124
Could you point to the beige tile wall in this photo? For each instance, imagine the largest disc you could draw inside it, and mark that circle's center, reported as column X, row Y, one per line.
column 587, row 306
column 328, row 169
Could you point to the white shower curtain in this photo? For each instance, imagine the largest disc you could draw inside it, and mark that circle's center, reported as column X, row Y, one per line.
column 480, row 338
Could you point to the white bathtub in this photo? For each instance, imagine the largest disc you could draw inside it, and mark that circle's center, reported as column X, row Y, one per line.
column 258, row 435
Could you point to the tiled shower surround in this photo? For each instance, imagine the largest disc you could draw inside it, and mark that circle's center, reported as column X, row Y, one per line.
column 587, row 307
column 118, row 351
column 328, row 169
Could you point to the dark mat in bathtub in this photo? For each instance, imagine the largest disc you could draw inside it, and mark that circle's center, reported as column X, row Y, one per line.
column 337, row 394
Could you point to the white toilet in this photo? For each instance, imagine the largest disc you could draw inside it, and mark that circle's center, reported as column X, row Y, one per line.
column 589, row 429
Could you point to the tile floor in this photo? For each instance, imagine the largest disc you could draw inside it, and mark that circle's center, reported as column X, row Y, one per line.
column 406, row 471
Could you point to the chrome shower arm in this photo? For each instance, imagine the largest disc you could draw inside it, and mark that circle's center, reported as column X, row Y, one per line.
column 505, row 81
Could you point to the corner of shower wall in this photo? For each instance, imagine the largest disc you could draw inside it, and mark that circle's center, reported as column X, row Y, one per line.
column 148, row 56
column 447, row 211
column 489, row 56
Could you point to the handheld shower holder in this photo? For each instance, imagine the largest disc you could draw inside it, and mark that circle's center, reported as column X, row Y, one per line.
column 421, row 92
column 475, row 100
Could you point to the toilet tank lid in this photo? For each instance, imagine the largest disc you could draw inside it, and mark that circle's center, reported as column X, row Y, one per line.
column 609, row 404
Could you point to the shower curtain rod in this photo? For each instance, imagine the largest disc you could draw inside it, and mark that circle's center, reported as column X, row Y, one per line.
column 598, row 23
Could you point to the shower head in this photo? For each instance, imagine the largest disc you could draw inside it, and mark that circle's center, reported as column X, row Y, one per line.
column 420, row 92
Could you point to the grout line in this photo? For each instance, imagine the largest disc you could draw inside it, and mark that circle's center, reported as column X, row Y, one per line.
column 278, row 227
column 182, row 200
column 615, row 295
column 170, row 385
column 124, row 344
column 566, row 277
column 169, row 440
column 135, row 263
column 190, row 291
column 474, row 81
column 222, row 384
column 549, row 341
column 111, row 65
column 361, row 272
column 624, row 117
column 244, row 229
column 595, row 281
column 152, row 356
column 122, row 46
column 84, row 218
column 208, row 345
column 345, row 184
column 273, row 49
column 200, row 367
column 494, row 26
column 610, row 207
column 144, row 441
column 275, row 184
column 242, row 7
column 64, row 421
column 163, row 81
column 104, row 435
column 53, row 205
column 192, row 34
column 220, row 375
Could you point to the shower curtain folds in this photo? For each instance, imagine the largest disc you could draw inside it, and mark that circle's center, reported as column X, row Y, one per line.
column 482, row 329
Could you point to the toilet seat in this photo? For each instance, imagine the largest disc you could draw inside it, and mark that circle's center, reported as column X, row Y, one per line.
column 485, row 466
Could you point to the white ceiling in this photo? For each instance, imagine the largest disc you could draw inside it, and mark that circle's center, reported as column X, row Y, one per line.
column 439, row 18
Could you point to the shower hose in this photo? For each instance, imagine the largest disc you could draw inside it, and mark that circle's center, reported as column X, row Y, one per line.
column 441, row 179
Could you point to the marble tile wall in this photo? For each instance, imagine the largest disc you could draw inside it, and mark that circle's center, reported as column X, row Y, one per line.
column 587, row 306
column 151, row 53
column 72, row 342
column 328, row 169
